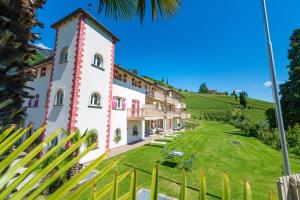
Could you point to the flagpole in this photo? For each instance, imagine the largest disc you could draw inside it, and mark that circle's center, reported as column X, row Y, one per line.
column 275, row 92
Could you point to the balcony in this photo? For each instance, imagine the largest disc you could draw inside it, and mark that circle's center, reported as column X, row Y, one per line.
column 183, row 105
column 169, row 114
column 156, row 95
column 170, row 100
column 145, row 113
column 185, row 115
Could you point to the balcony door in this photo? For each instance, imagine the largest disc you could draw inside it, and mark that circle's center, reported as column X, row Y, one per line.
column 135, row 111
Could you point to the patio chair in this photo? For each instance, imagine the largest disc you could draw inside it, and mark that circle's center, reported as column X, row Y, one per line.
column 188, row 163
column 167, row 156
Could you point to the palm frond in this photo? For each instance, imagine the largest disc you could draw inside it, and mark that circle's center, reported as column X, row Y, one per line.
column 127, row 9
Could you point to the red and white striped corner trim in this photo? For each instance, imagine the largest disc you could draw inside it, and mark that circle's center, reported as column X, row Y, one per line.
column 50, row 84
column 110, row 96
column 75, row 93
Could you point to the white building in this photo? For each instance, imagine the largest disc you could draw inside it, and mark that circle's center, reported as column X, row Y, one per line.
column 80, row 87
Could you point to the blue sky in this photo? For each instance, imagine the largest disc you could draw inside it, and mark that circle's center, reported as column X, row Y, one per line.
column 218, row 42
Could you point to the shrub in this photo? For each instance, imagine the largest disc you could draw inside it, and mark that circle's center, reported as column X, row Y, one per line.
column 293, row 136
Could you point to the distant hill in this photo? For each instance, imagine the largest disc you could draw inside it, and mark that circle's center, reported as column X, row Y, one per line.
column 216, row 107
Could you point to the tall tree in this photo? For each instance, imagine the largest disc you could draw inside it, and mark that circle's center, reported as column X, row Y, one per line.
column 290, row 90
column 203, row 88
column 243, row 101
column 16, row 22
column 162, row 79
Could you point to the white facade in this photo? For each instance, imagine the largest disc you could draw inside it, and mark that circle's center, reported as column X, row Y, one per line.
column 87, row 91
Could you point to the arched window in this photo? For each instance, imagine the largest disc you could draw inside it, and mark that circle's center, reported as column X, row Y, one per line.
column 95, row 100
column 117, row 136
column 59, row 98
column 64, row 55
column 98, row 61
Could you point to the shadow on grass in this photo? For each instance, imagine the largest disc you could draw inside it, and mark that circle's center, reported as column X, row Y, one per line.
column 154, row 145
column 237, row 133
column 172, row 181
column 169, row 164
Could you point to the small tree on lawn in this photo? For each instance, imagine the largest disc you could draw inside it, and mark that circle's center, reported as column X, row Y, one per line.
column 290, row 90
column 234, row 94
column 203, row 88
column 243, row 101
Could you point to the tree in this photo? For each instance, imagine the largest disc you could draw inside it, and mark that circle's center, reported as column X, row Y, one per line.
column 18, row 19
column 203, row 88
column 135, row 71
column 162, row 79
column 234, row 94
column 270, row 113
column 290, row 90
column 127, row 9
column 243, row 101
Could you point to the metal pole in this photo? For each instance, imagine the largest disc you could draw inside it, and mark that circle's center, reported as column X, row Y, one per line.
column 275, row 92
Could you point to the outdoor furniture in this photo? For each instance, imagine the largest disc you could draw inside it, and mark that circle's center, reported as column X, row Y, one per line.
column 167, row 156
column 153, row 142
column 188, row 163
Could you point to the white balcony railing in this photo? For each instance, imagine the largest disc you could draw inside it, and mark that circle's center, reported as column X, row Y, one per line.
column 156, row 95
column 185, row 115
column 144, row 113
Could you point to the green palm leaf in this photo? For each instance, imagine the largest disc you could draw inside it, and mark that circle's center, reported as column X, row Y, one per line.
column 247, row 191
column 225, row 187
column 57, row 174
column 126, row 9
column 202, row 192
column 24, row 190
column 114, row 194
column 154, row 183
column 107, row 188
column 89, row 183
column 13, row 170
column 6, row 133
column 183, row 185
column 33, row 167
column 133, row 184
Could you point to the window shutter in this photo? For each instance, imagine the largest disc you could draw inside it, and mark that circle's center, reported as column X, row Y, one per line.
column 29, row 103
column 36, row 101
column 133, row 108
column 114, row 102
column 138, row 108
column 123, row 104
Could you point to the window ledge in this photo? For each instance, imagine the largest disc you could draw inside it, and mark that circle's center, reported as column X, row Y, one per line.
column 98, row 67
column 58, row 105
column 91, row 106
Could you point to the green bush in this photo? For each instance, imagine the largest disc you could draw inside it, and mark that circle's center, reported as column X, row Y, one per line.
column 293, row 136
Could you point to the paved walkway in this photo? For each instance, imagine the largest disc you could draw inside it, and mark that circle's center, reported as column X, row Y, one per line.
column 121, row 149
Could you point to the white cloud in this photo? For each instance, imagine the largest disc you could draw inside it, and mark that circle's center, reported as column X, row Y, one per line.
column 268, row 84
column 41, row 45
column 236, row 90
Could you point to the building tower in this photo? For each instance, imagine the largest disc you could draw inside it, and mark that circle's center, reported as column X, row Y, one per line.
column 80, row 89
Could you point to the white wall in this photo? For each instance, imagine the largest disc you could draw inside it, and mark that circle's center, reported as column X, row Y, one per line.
column 95, row 80
column 62, row 77
column 40, row 84
column 119, row 117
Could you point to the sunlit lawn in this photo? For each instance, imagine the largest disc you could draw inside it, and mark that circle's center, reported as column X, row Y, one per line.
column 212, row 144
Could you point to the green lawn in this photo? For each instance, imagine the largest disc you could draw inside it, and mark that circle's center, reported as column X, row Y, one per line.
column 212, row 144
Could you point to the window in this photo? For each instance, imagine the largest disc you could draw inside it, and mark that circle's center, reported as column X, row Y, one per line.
column 64, row 56
column 29, row 103
column 119, row 103
column 43, row 71
column 135, row 130
column 59, row 98
column 98, row 61
column 36, row 101
column 140, row 84
column 117, row 136
column 125, row 78
column 95, row 100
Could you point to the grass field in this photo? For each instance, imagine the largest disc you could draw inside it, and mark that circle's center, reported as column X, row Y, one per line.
column 212, row 144
column 207, row 106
